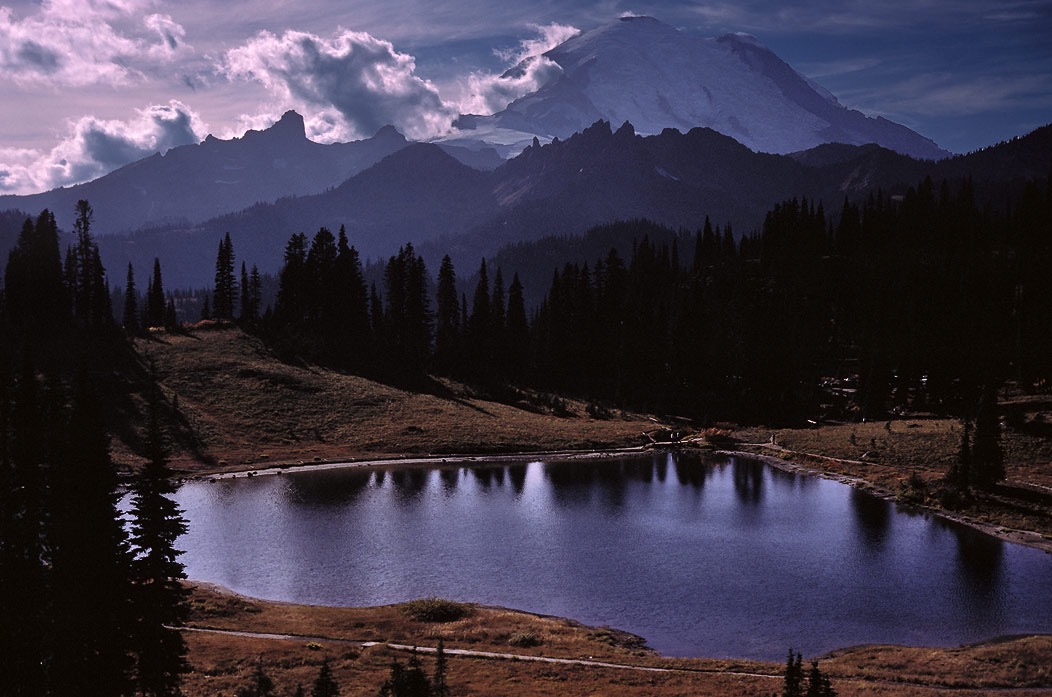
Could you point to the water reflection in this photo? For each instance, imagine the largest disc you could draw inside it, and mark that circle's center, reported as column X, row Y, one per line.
column 748, row 480
column 771, row 559
column 328, row 488
column 872, row 519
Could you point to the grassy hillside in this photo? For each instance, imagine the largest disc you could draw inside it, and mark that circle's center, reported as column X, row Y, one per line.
column 237, row 407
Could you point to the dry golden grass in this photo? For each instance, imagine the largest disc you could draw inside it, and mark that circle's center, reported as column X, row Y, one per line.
column 242, row 409
column 882, row 456
column 223, row 662
column 249, row 410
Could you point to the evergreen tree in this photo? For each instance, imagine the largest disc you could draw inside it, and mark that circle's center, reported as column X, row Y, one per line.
column 259, row 684
column 22, row 536
column 225, row 284
column 155, row 301
column 818, row 684
column 131, row 303
column 89, row 559
column 325, row 685
column 987, row 455
column 293, row 284
column 248, row 312
column 35, row 294
column 85, row 274
column 406, row 681
column 447, row 318
column 160, row 600
column 439, row 688
column 793, row 682
column 518, row 331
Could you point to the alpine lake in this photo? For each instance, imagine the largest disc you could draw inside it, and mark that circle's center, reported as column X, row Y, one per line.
column 700, row 555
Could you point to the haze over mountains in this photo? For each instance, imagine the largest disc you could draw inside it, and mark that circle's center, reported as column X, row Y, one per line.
column 457, row 196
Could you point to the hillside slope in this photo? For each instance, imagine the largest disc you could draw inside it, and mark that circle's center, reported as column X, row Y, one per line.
column 249, row 410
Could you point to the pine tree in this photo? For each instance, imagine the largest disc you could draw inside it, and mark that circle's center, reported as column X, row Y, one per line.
column 35, row 293
column 406, row 681
column 447, row 317
column 160, row 600
column 89, row 558
column 439, row 688
column 818, row 684
column 259, row 685
column 85, row 274
column 325, row 685
column 248, row 312
column 131, row 303
column 225, row 284
column 987, row 455
column 518, row 331
column 793, row 682
column 155, row 303
column 23, row 463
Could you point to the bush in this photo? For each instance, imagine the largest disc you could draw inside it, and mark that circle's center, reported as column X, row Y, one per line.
column 435, row 610
column 524, row 640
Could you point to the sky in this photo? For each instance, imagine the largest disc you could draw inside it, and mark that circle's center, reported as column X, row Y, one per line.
column 87, row 86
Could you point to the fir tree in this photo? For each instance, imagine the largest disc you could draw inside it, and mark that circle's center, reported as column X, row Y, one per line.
column 447, row 317
column 793, row 682
column 987, row 455
column 160, row 600
column 155, row 304
column 131, row 303
column 818, row 684
column 406, row 680
column 23, row 463
column 225, row 284
column 439, row 688
column 89, row 559
column 259, row 684
column 325, row 685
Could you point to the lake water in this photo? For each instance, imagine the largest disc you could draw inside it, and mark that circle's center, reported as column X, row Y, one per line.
column 702, row 557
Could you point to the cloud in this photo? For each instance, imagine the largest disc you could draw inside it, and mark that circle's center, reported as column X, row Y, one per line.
column 488, row 93
column 73, row 43
column 348, row 86
column 95, row 147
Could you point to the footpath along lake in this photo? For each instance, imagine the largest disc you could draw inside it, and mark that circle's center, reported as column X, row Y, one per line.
column 720, row 557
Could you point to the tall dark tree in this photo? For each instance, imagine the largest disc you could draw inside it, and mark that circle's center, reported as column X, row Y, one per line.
column 35, row 293
column 225, row 290
column 160, row 600
column 155, row 300
column 130, row 318
column 447, row 317
column 439, row 686
column 325, row 685
column 86, row 276
column 818, row 684
column 248, row 312
column 793, row 677
column 406, row 680
column 987, row 455
column 518, row 331
column 259, row 684
column 89, row 559
column 23, row 462
column 293, row 282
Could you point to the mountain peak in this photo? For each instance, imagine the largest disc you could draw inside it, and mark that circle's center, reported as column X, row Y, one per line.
column 641, row 70
column 289, row 125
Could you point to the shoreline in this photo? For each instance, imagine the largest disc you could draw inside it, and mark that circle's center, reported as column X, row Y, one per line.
column 1027, row 538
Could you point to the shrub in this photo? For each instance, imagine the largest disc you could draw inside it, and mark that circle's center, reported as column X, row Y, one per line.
column 435, row 610
column 524, row 640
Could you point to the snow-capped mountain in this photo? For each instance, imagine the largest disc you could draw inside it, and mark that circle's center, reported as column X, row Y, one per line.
column 642, row 71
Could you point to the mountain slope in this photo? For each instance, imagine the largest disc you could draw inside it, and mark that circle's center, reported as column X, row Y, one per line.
column 422, row 195
column 194, row 183
column 640, row 70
